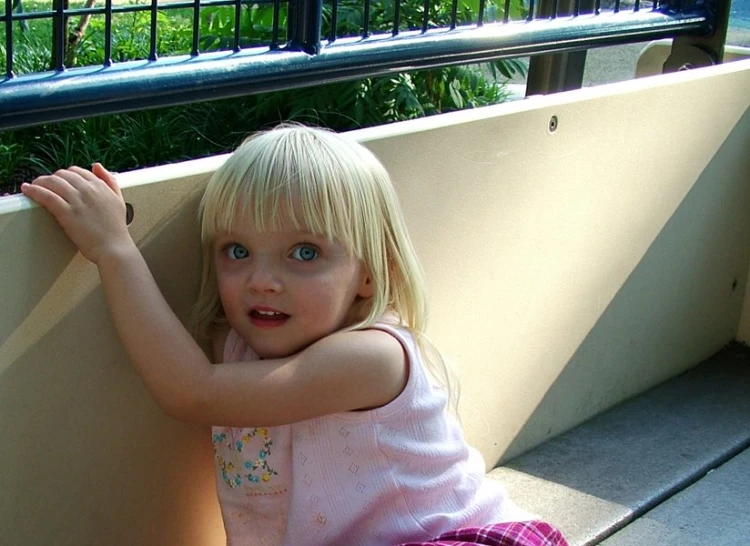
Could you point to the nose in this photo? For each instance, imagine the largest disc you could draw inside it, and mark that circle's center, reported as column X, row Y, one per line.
column 263, row 277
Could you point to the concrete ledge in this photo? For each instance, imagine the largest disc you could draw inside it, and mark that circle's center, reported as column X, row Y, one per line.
column 712, row 511
column 599, row 477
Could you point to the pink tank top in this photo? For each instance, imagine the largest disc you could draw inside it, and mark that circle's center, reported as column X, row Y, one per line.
column 395, row 474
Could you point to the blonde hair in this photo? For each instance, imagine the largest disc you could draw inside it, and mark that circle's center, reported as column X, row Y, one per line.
column 329, row 185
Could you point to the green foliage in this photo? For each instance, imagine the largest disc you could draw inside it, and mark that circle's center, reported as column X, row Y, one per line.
column 256, row 26
column 350, row 15
column 31, row 49
column 139, row 139
column 131, row 37
column 256, row 21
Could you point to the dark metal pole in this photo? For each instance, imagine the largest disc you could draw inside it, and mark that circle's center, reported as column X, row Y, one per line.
column 9, row 39
column 59, row 34
column 696, row 51
column 558, row 71
column 304, row 23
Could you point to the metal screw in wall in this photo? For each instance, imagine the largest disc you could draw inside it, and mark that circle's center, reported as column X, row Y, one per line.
column 553, row 124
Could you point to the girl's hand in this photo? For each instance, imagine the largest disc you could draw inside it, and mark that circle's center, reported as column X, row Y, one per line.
column 88, row 205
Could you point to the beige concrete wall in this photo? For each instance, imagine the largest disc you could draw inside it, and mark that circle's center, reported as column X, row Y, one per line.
column 568, row 270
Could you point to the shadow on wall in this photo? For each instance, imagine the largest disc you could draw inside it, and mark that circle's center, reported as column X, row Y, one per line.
column 87, row 456
column 681, row 304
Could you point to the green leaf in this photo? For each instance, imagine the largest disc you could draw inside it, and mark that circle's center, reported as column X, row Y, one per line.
column 455, row 92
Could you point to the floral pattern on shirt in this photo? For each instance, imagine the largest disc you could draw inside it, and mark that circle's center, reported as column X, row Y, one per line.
column 242, row 455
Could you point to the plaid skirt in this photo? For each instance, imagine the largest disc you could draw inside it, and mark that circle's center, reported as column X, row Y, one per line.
column 522, row 533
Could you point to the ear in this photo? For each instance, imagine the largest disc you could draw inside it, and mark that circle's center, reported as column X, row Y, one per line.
column 366, row 285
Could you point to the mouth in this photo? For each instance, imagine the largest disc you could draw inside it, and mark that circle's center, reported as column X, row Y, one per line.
column 267, row 318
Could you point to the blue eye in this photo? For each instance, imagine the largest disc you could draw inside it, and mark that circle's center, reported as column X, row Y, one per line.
column 305, row 253
column 236, row 252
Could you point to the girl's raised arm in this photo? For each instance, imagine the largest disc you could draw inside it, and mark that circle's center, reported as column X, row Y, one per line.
column 342, row 372
column 90, row 209
column 345, row 371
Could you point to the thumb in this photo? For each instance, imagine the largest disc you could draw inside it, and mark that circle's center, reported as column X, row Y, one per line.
column 108, row 177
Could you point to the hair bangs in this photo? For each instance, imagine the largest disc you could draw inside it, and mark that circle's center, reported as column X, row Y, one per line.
column 289, row 184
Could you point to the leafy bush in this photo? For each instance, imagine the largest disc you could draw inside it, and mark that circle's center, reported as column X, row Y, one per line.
column 139, row 139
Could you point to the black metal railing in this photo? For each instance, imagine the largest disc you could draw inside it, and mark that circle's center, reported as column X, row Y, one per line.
column 265, row 45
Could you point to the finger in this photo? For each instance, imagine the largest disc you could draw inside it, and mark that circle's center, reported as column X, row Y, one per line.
column 59, row 184
column 108, row 177
column 89, row 184
column 46, row 198
column 78, row 177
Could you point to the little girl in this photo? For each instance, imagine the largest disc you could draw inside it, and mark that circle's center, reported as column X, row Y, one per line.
column 328, row 427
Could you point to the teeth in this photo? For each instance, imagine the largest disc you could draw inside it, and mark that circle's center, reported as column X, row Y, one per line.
column 267, row 313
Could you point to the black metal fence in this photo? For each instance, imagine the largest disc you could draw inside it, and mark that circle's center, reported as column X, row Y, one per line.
column 238, row 47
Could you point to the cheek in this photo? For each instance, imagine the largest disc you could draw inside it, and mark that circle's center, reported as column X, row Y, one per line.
column 330, row 300
column 315, row 299
column 228, row 291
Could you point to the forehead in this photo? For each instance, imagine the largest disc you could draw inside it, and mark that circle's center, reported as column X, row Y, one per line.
column 273, row 215
column 282, row 225
column 255, row 208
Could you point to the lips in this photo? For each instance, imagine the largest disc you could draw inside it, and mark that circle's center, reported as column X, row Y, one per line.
column 263, row 317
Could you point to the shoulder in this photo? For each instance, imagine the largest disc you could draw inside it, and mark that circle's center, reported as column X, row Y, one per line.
column 374, row 337
column 374, row 347
column 373, row 360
